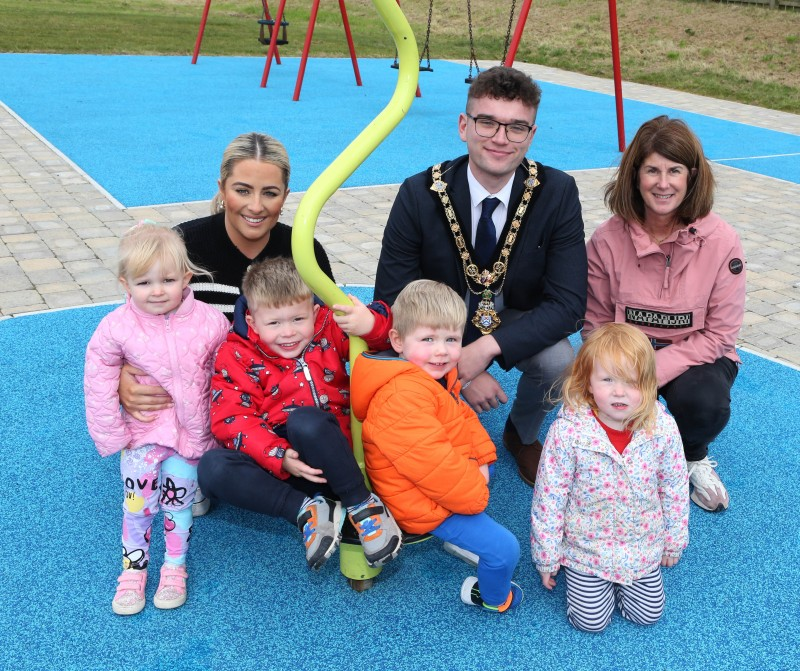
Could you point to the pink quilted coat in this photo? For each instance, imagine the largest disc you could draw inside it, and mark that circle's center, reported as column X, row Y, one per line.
column 608, row 514
column 177, row 351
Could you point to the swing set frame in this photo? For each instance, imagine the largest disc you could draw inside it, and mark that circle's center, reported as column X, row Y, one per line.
column 273, row 40
column 508, row 59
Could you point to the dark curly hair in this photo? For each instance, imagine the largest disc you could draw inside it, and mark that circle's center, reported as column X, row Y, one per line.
column 505, row 83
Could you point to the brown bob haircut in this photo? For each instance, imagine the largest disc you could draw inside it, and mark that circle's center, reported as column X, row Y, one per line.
column 675, row 141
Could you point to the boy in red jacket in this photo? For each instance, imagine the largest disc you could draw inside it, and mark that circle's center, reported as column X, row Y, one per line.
column 426, row 452
column 280, row 403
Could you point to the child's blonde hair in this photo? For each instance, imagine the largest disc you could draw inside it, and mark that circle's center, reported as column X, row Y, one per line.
column 428, row 303
column 274, row 283
column 620, row 349
column 147, row 243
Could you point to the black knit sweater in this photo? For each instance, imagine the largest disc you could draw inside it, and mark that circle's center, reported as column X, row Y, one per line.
column 210, row 248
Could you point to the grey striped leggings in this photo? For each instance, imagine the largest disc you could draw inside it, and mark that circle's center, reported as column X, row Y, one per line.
column 591, row 600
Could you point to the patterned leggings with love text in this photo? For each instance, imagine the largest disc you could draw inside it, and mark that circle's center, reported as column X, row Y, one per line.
column 156, row 477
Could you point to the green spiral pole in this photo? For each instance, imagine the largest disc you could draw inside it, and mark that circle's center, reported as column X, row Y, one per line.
column 352, row 562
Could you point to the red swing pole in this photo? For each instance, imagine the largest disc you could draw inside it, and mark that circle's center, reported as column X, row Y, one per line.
column 200, row 32
column 307, row 46
column 612, row 15
column 521, row 21
column 273, row 43
column 312, row 20
column 273, row 34
column 350, row 44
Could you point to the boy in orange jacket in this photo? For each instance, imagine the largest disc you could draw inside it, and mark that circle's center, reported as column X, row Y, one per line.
column 427, row 454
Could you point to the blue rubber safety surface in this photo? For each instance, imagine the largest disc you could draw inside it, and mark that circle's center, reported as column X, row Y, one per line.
column 151, row 129
column 253, row 603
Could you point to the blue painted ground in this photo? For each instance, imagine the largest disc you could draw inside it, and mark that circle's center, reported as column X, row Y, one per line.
column 732, row 601
column 151, row 129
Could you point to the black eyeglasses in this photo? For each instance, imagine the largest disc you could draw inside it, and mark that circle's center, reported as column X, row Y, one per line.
column 515, row 132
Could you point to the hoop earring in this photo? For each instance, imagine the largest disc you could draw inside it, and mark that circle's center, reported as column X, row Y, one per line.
column 222, row 205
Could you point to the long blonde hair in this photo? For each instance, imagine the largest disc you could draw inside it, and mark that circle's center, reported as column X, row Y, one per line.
column 620, row 349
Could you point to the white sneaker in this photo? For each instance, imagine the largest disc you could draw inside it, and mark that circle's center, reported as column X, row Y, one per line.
column 201, row 505
column 708, row 491
column 464, row 555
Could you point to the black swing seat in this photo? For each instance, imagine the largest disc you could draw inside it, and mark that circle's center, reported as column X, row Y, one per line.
column 271, row 23
column 422, row 68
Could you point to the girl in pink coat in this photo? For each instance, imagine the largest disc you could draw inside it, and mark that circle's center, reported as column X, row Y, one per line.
column 611, row 501
column 163, row 330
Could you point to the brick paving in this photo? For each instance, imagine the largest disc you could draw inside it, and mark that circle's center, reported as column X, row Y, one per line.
column 59, row 230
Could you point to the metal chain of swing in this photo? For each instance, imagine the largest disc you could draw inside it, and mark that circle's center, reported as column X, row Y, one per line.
column 425, row 53
column 508, row 32
column 472, row 57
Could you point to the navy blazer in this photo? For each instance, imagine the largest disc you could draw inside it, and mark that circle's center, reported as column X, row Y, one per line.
column 545, row 288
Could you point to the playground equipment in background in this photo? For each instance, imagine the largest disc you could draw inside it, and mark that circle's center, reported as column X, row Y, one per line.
column 312, row 19
column 273, row 40
column 353, row 565
column 266, row 21
column 511, row 45
column 508, row 55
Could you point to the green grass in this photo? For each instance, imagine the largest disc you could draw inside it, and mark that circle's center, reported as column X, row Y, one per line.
column 747, row 54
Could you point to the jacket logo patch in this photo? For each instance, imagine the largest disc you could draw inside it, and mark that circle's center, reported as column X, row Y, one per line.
column 736, row 266
column 662, row 320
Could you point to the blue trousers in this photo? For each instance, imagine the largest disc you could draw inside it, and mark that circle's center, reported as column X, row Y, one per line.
column 496, row 546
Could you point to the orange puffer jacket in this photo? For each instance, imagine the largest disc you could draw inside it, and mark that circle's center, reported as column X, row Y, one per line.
column 423, row 444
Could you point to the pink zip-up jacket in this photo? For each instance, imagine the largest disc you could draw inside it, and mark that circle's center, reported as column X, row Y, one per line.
column 177, row 351
column 687, row 294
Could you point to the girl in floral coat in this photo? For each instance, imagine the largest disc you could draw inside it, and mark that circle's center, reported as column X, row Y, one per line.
column 611, row 502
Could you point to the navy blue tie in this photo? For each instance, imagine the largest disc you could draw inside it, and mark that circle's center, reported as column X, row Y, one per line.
column 485, row 242
column 485, row 238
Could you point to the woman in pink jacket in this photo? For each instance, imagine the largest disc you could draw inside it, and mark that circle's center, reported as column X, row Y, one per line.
column 163, row 330
column 668, row 265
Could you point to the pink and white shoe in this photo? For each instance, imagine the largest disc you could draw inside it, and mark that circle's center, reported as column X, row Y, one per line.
column 129, row 598
column 171, row 592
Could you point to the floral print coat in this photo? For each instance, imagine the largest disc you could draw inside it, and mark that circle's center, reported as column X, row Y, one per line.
column 608, row 514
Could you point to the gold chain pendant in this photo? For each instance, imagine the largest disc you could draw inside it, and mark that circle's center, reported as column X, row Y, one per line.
column 486, row 318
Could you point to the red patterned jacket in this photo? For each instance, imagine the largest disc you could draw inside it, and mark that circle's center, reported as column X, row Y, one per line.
column 253, row 389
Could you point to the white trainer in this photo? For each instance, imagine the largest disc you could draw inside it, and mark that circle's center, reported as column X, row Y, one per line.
column 464, row 555
column 708, row 492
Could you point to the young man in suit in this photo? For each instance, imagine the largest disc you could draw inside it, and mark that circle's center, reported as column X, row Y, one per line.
column 507, row 234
